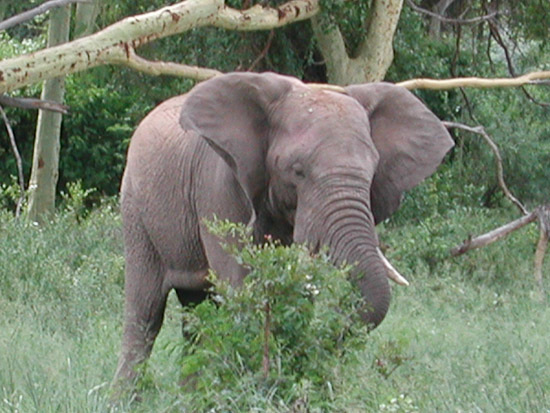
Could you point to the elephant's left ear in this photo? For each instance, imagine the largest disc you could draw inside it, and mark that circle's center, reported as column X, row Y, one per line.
column 410, row 139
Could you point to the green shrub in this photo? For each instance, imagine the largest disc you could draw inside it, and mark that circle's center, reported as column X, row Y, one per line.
column 279, row 337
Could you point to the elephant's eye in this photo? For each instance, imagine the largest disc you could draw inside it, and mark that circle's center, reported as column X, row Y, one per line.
column 298, row 169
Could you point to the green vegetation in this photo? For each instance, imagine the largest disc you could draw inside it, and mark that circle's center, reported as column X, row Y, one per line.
column 465, row 336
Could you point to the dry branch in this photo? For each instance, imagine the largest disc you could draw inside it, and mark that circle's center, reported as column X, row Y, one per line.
column 18, row 161
column 494, row 235
column 31, row 103
column 480, row 130
column 476, row 82
column 29, row 14
column 444, row 19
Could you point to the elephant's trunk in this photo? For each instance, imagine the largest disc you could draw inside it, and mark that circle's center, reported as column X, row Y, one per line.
column 340, row 219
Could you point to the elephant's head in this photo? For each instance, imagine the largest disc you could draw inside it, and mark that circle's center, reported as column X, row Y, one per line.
column 330, row 165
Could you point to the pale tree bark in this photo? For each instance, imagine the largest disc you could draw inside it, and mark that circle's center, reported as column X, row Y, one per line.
column 374, row 54
column 116, row 43
column 85, row 17
column 45, row 163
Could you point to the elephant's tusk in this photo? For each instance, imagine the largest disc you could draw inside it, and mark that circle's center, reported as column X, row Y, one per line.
column 392, row 272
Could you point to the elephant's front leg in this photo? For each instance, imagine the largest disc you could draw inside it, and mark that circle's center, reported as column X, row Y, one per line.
column 146, row 295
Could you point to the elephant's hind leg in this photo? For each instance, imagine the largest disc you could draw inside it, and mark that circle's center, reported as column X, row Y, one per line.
column 145, row 302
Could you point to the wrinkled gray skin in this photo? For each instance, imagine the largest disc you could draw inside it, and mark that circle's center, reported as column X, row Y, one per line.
column 299, row 164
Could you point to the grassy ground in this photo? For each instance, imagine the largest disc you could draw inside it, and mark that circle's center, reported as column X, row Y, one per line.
column 466, row 336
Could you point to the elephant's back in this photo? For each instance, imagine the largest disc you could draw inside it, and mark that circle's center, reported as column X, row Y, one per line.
column 156, row 185
column 158, row 147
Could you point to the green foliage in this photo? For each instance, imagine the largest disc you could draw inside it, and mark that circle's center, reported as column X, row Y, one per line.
column 464, row 336
column 288, row 326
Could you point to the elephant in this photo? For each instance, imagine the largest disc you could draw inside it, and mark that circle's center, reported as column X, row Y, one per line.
column 293, row 162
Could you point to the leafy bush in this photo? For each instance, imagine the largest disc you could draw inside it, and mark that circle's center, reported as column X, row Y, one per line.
column 279, row 337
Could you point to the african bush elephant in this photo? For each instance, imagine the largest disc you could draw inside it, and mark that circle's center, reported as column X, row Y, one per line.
column 298, row 163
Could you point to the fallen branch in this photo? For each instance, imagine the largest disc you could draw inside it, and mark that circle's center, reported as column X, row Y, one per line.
column 29, row 14
column 31, row 103
column 494, row 235
column 18, row 161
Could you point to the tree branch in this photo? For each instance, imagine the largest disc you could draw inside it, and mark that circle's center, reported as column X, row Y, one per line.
column 444, row 19
column 333, row 48
column 29, row 14
column 480, row 130
column 494, row 235
column 264, row 52
column 18, row 161
column 31, row 103
column 156, row 68
column 375, row 53
column 477, row 82
column 113, row 44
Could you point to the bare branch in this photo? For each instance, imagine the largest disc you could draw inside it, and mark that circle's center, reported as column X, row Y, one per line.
column 18, row 161
column 167, row 68
column 477, row 82
column 444, row 19
column 495, row 34
column 29, row 14
column 494, row 235
column 480, row 130
column 31, row 103
column 263, row 53
column 112, row 45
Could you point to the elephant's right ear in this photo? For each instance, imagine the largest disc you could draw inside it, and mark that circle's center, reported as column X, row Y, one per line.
column 231, row 112
column 409, row 138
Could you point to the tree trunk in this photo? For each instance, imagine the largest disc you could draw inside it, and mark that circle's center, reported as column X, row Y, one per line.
column 374, row 54
column 85, row 17
column 435, row 23
column 45, row 163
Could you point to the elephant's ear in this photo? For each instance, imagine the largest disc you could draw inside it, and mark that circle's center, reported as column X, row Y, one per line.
column 410, row 139
column 231, row 113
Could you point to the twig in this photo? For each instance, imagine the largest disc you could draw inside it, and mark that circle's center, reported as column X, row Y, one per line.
column 494, row 235
column 29, row 14
column 495, row 34
column 263, row 53
column 444, row 19
column 480, row 130
column 32, row 103
column 18, row 161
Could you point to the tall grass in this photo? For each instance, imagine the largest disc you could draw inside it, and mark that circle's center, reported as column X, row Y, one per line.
column 466, row 336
